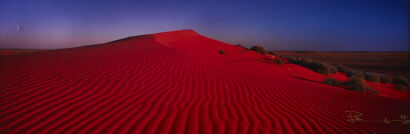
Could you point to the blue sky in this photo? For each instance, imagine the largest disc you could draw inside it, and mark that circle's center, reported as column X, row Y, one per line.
column 314, row 25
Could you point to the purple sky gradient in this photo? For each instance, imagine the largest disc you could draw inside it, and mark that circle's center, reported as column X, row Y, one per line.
column 314, row 25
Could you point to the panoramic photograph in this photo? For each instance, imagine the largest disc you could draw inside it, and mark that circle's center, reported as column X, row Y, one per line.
column 204, row 67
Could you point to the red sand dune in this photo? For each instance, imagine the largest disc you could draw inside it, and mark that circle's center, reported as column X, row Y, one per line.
column 177, row 82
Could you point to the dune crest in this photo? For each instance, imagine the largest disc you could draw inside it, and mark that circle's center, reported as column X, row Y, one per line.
column 176, row 35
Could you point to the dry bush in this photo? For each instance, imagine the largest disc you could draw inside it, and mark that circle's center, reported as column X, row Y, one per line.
column 401, row 82
column 354, row 73
column 385, row 79
column 279, row 61
column 315, row 65
column 356, row 84
column 343, row 68
column 259, row 49
column 373, row 77
column 291, row 59
column 332, row 81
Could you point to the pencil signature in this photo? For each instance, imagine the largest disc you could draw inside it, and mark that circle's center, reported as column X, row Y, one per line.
column 354, row 116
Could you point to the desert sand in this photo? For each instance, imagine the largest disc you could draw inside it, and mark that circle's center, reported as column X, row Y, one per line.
column 178, row 82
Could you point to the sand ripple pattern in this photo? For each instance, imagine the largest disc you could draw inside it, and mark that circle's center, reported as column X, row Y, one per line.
column 149, row 84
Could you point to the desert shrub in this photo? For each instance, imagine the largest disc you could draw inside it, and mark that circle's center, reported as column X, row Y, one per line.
column 315, row 65
column 343, row 68
column 332, row 69
column 373, row 91
column 373, row 77
column 359, row 84
column 222, row 52
column 306, row 61
column 259, row 49
column 356, row 84
column 291, row 59
column 401, row 81
column 323, row 67
column 279, row 61
column 385, row 79
column 272, row 53
column 349, row 71
column 331, row 81
column 354, row 73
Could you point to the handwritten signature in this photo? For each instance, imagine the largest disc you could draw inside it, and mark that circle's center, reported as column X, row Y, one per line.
column 354, row 116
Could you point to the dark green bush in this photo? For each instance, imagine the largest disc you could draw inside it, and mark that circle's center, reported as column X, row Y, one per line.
column 259, row 49
column 315, row 65
column 385, row 79
column 222, row 52
column 239, row 45
column 350, row 72
column 279, row 61
column 359, row 84
column 356, row 84
column 343, row 68
column 373, row 77
column 332, row 81
column 354, row 73
column 325, row 68
column 401, row 81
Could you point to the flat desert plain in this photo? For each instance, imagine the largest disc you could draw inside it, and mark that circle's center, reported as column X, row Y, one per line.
column 388, row 63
